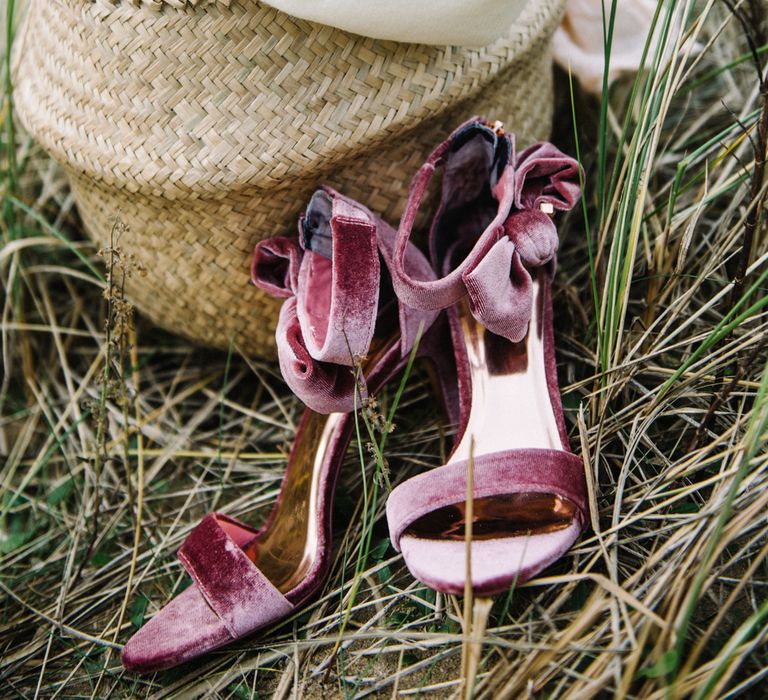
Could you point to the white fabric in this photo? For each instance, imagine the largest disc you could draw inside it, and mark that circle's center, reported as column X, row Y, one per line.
column 455, row 22
column 578, row 42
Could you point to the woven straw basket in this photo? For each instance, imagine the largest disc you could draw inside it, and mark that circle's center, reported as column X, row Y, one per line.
column 206, row 128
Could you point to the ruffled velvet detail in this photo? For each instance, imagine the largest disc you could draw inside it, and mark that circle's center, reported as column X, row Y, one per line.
column 325, row 386
column 495, row 275
column 275, row 266
column 330, row 279
column 499, row 291
column 545, row 175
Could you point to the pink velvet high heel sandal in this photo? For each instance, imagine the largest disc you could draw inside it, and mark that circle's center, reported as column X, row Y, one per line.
column 494, row 242
column 339, row 310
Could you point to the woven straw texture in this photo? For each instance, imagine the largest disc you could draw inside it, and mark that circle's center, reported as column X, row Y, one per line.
column 205, row 129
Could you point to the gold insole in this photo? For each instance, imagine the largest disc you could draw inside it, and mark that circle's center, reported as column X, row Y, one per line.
column 497, row 516
column 289, row 548
column 510, row 409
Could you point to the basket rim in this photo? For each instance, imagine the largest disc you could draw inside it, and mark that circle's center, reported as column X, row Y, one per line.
column 97, row 154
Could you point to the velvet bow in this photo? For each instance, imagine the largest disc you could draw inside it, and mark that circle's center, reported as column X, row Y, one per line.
column 498, row 279
column 325, row 387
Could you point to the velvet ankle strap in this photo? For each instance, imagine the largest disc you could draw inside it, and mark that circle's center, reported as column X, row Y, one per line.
column 330, row 279
column 495, row 274
column 332, row 271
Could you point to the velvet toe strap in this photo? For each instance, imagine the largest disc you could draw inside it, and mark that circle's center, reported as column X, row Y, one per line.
column 495, row 275
column 532, row 470
column 240, row 595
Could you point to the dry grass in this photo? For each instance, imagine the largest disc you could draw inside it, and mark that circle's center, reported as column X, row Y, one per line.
column 108, row 464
